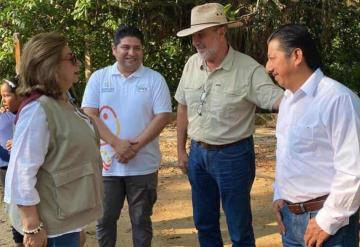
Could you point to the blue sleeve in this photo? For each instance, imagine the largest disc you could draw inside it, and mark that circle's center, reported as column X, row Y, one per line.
column 4, row 154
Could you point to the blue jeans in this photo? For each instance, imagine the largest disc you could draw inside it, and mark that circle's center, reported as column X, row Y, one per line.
column 226, row 175
column 66, row 240
column 295, row 227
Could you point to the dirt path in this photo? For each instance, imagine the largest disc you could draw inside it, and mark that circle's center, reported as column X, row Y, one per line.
column 172, row 218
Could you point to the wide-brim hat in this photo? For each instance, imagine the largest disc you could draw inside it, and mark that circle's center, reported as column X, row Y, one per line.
column 205, row 16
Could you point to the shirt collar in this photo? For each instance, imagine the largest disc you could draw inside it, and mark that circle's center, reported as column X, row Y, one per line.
column 312, row 82
column 226, row 64
column 136, row 73
column 310, row 85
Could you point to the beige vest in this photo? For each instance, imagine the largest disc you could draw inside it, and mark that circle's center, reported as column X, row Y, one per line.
column 69, row 182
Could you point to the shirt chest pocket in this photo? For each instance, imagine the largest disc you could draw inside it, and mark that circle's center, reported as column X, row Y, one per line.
column 227, row 101
column 193, row 95
column 301, row 140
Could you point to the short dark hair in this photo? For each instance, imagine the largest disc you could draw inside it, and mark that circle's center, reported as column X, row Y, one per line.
column 127, row 31
column 293, row 36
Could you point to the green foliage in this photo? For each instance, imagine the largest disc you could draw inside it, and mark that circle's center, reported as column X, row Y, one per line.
column 334, row 25
column 89, row 26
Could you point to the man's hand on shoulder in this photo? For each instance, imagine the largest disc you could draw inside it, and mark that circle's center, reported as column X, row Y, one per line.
column 314, row 235
column 277, row 206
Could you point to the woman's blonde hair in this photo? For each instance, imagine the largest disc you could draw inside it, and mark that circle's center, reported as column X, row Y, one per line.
column 39, row 62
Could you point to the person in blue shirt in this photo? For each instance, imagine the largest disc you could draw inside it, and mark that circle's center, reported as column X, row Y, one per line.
column 10, row 103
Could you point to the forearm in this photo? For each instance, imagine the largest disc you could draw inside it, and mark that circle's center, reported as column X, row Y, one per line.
column 342, row 202
column 29, row 217
column 153, row 129
column 181, row 126
column 104, row 131
column 276, row 105
column 36, row 235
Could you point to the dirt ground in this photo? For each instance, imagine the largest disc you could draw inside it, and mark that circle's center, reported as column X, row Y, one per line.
column 172, row 218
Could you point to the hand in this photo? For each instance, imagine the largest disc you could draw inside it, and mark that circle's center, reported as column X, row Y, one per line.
column 277, row 206
column 135, row 145
column 9, row 144
column 36, row 240
column 183, row 162
column 314, row 235
column 124, row 151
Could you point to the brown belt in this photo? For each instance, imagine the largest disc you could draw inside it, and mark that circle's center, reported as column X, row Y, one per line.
column 308, row 206
column 212, row 146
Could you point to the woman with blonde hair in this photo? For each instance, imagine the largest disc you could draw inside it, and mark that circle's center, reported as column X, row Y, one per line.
column 53, row 181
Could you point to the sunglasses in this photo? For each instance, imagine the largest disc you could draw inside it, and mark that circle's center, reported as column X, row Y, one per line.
column 72, row 58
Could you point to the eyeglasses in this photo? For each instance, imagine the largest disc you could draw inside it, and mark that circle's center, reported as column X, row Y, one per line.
column 72, row 58
column 202, row 102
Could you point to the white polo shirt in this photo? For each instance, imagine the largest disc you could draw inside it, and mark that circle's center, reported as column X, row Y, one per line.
column 127, row 105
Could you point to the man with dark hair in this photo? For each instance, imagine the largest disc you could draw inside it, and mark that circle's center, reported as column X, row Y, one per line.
column 317, row 182
column 217, row 95
column 130, row 104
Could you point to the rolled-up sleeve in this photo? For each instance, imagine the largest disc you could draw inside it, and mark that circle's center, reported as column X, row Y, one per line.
column 263, row 92
column 30, row 145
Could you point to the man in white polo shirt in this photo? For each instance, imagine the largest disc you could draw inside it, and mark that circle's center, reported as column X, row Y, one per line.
column 130, row 104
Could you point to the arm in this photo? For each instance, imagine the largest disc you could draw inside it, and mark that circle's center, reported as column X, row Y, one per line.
column 121, row 147
column 181, row 127
column 277, row 205
column 276, row 105
column 154, row 128
column 9, row 144
column 343, row 127
column 263, row 92
column 30, row 221
column 161, row 107
column 30, row 145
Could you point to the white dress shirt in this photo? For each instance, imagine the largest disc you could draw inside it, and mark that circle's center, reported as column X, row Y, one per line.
column 318, row 149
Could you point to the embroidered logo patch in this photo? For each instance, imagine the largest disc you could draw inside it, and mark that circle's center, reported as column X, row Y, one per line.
column 107, row 87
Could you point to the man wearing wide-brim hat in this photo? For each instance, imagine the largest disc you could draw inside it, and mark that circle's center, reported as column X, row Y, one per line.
column 217, row 95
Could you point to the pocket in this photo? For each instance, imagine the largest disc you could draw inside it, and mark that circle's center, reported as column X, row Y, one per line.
column 228, row 104
column 192, row 98
column 75, row 190
column 302, row 140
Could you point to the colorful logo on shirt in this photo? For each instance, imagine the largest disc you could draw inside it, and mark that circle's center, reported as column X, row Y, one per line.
column 109, row 117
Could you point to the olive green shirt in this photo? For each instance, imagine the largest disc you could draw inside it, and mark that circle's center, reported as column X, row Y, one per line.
column 221, row 104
